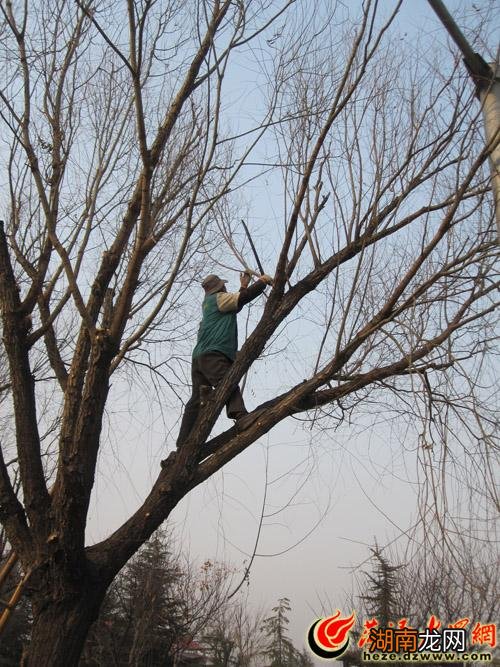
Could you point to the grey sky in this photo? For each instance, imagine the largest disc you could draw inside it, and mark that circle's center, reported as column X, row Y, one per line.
column 349, row 487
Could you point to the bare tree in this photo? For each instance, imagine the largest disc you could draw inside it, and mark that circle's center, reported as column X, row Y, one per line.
column 122, row 169
column 234, row 634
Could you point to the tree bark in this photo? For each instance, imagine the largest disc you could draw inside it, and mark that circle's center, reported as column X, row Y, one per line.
column 60, row 629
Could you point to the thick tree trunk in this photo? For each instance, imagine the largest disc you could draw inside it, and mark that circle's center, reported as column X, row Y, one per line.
column 60, row 629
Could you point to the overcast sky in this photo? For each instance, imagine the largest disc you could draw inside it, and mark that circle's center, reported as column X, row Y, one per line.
column 328, row 494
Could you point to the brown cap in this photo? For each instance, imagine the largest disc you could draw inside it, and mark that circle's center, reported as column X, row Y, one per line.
column 212, row 284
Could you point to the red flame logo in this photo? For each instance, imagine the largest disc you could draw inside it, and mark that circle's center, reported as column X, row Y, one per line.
column 332, row 631
column 327, row 636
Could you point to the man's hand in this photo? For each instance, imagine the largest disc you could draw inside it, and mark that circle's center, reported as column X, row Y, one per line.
column 266, row 279
column 245, row 280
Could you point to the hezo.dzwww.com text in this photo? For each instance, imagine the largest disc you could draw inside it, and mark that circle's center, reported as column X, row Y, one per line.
column 426, row 657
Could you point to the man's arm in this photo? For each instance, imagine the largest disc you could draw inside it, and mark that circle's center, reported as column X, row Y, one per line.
column 228, row 302
column 250, row 292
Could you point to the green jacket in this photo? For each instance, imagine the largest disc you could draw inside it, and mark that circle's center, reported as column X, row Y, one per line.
column 218, row 330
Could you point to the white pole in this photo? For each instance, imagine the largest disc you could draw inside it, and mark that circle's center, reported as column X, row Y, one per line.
column 490, row 100
column 487, row 81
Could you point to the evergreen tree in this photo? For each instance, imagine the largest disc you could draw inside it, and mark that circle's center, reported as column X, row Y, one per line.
column 143, row 617
column 381, row 599
column 157, row 612
column 158, row 604
column 280, row 650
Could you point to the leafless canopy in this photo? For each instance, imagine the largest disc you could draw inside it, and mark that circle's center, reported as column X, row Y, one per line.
column 127, row 156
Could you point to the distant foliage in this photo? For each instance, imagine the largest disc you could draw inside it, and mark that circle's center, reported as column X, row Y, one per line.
column 280, row 651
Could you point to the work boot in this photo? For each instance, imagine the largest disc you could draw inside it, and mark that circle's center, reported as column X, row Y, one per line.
column 237, row 415
column 246, row 420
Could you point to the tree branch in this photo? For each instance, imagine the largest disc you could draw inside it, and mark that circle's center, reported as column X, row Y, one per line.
column 15, row 331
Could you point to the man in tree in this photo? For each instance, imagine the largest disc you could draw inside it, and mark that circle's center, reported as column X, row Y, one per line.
column 127, row 146
column 216, row 348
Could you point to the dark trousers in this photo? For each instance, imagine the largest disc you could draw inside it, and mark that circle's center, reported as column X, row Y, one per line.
column 207, row 371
